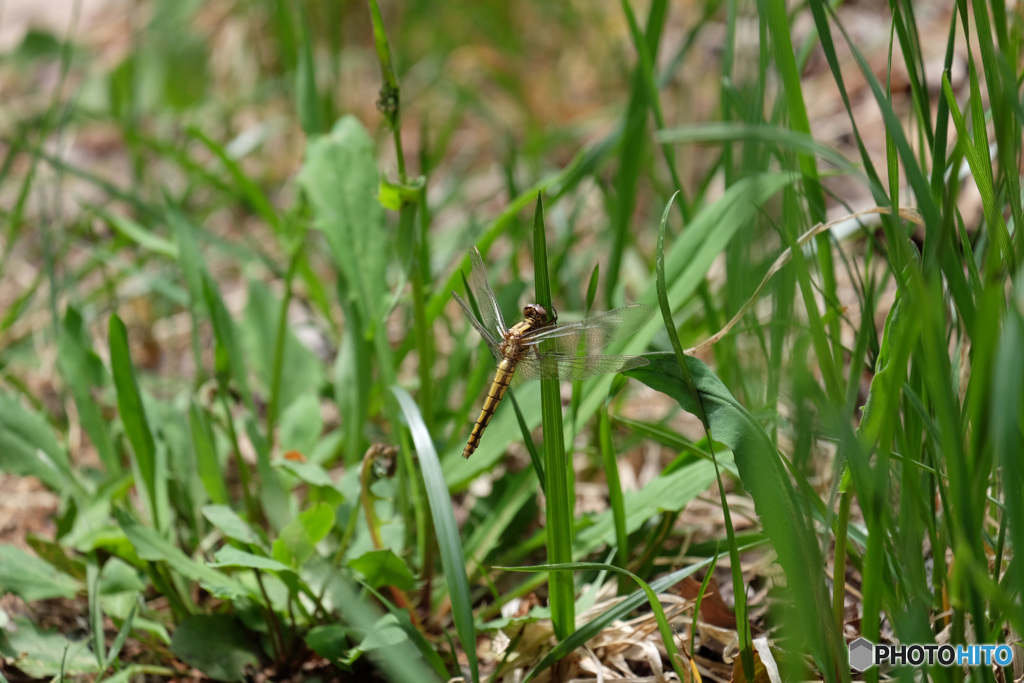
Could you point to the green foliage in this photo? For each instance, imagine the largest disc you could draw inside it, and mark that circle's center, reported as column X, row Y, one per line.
column 288, row 478
column 44, row 654
column 217, row 645
column 32, row 578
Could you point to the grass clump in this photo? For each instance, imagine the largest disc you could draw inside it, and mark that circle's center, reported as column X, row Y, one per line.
column 231, row 369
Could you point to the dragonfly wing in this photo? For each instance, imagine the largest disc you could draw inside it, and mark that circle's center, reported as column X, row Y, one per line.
column 595, row 332
column 488, row 336
column 574, row 368
column 490, row 314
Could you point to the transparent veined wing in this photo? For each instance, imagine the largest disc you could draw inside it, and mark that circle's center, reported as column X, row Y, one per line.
column 593, row 333
column 490, row 314
column 492, row 342
column 536, row 365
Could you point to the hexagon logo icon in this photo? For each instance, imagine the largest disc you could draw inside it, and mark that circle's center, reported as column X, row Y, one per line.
column 862, row 654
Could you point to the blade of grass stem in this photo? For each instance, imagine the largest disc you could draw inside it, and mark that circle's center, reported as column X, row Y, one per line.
column 611, row 473
column 632, row 153
column 739, row 590
column 133, row 416
column 559, row 490
column 445, row 528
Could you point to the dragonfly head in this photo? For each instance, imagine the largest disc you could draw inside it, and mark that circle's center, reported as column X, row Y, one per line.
column 536, row 314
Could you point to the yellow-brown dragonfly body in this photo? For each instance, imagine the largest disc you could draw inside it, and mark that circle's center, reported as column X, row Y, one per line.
column 538, row 347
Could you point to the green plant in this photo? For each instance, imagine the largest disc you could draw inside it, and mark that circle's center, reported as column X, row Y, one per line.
column 288, row 491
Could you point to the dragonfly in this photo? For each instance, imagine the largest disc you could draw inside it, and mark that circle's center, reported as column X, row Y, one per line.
column 539, row 347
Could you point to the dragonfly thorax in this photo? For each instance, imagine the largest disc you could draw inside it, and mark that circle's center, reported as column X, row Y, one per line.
column 536, row 315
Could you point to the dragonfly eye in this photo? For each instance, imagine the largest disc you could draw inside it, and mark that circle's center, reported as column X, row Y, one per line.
column 535, row 313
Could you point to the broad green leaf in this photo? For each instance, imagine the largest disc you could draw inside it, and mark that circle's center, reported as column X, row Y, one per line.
column 44, row 654
column 387, row 632
column 301, row 424
column 230, row 556
column 298, row 539
column 31, row 578
column 341, row 181
column 899, row 336
column 117, row 576
column 151, row 545
column 27, row 447
column 230, row 524
column 302, row 371
column 53, row 554
column 309, row 472
column 217, row 645
column 330, row 641
column 383, row 568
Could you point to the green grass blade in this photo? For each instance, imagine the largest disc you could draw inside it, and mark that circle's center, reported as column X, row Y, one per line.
column 445, row 528
column 122, row 636
column 739, row 589
column 531, row 447
column 92, row 583
column 765, row 475
column 611, row 472
column 1006, row 417
column 1003, row 98
column 83, row 371
column 977, row 155
column 632, row 153
column 306, row 95
column 229, row 360
column 560, row 495
column 207, row 463
column 133, row 416
column 245, row 186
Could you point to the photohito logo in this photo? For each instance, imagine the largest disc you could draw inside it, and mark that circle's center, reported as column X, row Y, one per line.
column 864, row 654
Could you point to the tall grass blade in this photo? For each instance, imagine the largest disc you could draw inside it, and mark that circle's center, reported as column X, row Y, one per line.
column 611, row 473
column 445, row 528
column 632, row 153
column 133, row 416
column 739, row 590
column 765, row 475
column 560, row 495
column 83, row 371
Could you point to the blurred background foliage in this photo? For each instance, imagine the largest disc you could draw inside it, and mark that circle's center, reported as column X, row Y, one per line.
column 234, row 388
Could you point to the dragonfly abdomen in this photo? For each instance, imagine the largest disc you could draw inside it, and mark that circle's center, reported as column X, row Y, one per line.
column 502, row 378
